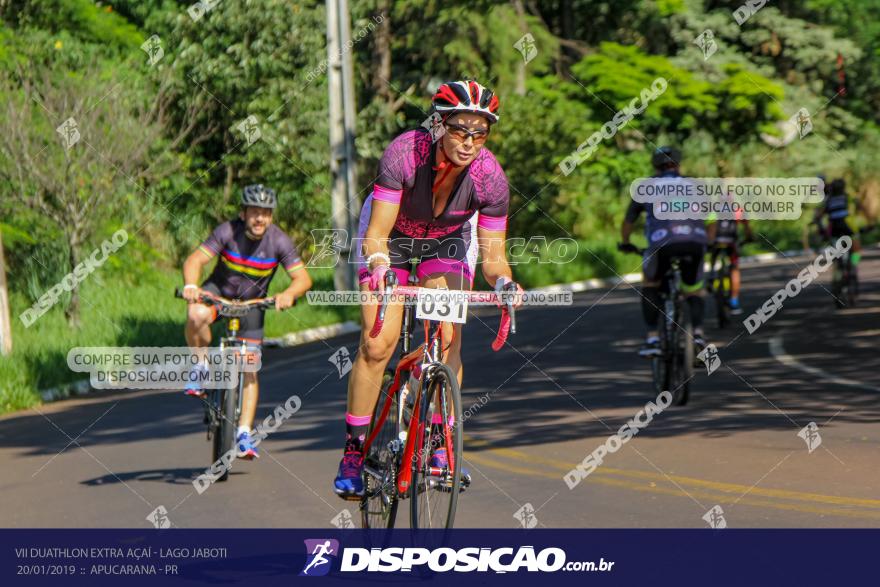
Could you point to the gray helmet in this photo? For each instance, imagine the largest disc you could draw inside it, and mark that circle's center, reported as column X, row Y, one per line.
column 258, row 195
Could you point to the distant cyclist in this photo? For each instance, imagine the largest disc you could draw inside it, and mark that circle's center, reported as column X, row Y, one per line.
column 727, row 243
column 836, row 207
column 424, row 203
column 248, row 251
column 685, row 239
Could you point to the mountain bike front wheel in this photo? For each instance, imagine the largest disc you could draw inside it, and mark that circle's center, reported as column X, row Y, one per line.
column 224, row 436
column 435, row 483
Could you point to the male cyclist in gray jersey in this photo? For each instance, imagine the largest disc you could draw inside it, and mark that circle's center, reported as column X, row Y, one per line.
column 685, row 239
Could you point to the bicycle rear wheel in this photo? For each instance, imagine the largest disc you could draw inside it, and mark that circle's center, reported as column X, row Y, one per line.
column 722, row 296
column 434, row 495
column 379, row 503
column 681, row 369
column 852, row 290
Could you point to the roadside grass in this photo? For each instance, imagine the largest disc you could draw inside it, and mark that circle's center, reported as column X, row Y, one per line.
column 118, row 314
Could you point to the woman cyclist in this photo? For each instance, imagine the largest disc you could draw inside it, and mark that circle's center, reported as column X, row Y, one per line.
column 442, row 199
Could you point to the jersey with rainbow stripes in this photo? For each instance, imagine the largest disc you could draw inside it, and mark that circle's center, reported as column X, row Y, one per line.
column 246, row 266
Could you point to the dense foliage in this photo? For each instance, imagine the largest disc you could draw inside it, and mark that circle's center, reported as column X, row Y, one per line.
column 265, row 60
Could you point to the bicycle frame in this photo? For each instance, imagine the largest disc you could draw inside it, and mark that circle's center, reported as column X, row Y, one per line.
column 420, row 362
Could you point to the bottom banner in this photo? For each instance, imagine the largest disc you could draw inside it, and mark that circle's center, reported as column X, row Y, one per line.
column 465, row 557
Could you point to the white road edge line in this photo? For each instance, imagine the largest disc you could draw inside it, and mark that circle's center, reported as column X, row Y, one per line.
column 778, row 353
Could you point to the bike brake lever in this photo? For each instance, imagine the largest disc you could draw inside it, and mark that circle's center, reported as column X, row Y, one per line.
column 510, row 288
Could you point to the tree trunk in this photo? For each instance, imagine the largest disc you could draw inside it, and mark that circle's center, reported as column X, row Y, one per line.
column 72, row 311
column 5, row 324
column 382, row 55
column 520, row 88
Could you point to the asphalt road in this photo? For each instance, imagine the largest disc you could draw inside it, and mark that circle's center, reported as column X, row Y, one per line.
column 566, row 381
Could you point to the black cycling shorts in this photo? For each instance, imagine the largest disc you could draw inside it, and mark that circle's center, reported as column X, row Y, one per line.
column 251, row 324
column 657, row 261
column 840, row 228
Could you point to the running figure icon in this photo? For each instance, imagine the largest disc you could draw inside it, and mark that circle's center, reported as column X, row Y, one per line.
column 320, row 550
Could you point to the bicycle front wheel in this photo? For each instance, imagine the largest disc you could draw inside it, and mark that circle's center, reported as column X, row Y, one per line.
column 224, row 439
column 436, row 482
column 379, row 504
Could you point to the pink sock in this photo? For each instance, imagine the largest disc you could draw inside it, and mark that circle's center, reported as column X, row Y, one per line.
column 357, row 420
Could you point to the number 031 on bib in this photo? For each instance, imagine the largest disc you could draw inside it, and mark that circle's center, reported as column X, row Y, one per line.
column 442, row 305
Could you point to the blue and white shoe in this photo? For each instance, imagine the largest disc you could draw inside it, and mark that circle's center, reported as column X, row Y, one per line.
column 650, row 348
column 247, row 450
column 439, row 460
column 735, row 308
column 349, row 483
column 194, row 387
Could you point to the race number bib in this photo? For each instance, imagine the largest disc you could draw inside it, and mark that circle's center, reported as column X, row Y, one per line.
column 442, row 305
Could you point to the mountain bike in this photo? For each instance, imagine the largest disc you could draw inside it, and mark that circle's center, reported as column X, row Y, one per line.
column 673, row 368
column 223, row 406
column 844, row 282
column 844, row 278
column 400, row 443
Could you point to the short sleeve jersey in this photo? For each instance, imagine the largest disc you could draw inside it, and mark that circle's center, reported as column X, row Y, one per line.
column 406, row 176
column 245, row 266
column 660, row 232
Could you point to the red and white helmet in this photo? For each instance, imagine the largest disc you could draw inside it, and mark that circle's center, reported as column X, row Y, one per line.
column 466, row 96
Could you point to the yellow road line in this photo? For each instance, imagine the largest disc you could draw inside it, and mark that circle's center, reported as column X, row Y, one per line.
column 606, row 475
column 713, row 498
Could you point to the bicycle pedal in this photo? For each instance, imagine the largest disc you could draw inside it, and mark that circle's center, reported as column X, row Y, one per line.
column 357, row 498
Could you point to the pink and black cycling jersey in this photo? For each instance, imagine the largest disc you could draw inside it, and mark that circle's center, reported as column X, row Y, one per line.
column 448, row 242
column 245, row 265
column 406, row 176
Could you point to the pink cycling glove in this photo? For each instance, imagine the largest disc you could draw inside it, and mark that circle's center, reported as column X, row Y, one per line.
column 377, row 277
